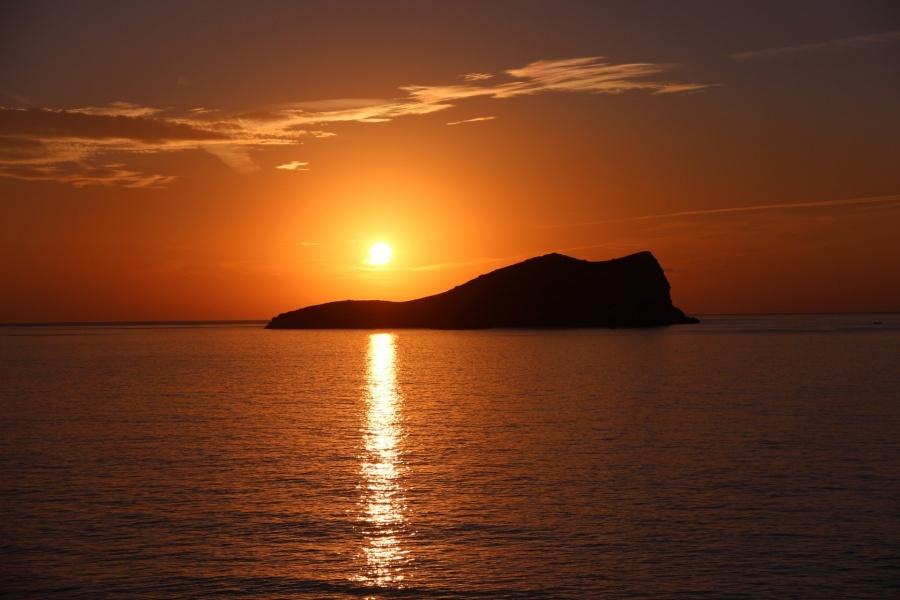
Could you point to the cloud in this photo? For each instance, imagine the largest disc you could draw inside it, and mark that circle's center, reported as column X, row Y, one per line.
column 472, row 120
column 858, row 41
column 54, row 143
column 81, row 174
column 235, row 157
column 74, row 145
column 888, row 200
column 374, row 113
column 588, row 74
column 118, row 109
column 294, row 165
column 476, row 76
column 86, row 124
column 24, row 150
column 585, row 75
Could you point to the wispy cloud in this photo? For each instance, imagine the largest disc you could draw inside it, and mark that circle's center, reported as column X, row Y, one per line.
column 234, row 156
column 82, row 174
column 80, row 143
column 472, row 120
column 889, row 199
column 858, row 41
column 294, row 165
column 94, row 123
column 118, row 109
column 586, row 75
column 75, row 145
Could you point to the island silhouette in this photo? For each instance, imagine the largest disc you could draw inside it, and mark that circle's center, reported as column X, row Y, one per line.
column 553, row 290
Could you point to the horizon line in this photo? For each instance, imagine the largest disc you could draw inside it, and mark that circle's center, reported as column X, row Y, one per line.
column 132, row 322
column 176, row 323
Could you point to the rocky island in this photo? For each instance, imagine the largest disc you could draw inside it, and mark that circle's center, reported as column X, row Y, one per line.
column 547, row 291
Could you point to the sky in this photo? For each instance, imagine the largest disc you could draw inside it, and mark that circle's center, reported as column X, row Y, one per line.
column 235, row 160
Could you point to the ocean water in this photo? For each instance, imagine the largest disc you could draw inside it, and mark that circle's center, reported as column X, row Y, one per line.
column 746, row 457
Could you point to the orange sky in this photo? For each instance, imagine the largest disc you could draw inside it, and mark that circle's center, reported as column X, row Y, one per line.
column 752, row 149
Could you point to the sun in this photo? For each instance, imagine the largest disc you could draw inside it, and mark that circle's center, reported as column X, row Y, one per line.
column 379, row 254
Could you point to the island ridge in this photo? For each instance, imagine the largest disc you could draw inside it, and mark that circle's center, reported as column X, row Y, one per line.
column 553, row 290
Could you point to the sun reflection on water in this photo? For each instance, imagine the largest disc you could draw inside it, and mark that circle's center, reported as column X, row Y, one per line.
column 382, row 492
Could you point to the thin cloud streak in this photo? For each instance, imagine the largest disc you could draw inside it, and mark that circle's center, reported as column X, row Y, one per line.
column 626, row 248
column 472, row 120
column 476, row 76
column 82, row 175
column 294, row 165
column 889, row 199
column 118, row 109
column 858, row 41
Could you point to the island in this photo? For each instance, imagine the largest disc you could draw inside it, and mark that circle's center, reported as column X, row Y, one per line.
column 553, row 290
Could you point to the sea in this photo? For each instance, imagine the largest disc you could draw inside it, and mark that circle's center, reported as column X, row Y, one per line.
column 743, row 457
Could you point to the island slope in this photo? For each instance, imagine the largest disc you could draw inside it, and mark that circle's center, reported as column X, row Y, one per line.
column 547, row 291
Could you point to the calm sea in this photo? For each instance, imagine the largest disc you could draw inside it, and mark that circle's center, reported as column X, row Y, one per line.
column 746, row 457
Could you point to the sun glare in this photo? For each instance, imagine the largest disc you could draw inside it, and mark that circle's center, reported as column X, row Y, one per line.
column 380, row 254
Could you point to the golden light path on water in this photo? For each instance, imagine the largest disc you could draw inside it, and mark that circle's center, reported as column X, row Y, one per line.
column 382, row 493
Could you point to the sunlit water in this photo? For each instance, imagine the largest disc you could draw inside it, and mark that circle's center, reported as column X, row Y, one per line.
column 383, row 494
column 742, row 458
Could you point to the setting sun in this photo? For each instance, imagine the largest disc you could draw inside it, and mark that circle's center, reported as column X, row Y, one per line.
column 379, row 254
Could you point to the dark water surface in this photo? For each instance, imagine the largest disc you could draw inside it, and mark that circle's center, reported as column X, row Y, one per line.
column 745, row 457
